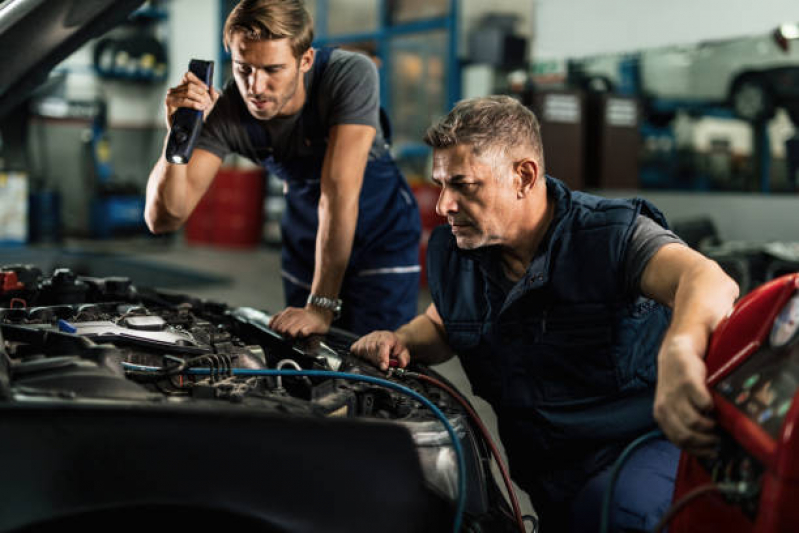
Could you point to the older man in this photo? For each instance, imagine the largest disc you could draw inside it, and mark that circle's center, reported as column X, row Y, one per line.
column 565, row 309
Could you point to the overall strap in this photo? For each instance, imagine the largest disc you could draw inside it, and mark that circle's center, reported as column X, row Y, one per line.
column 311, row 116
column 311, row 119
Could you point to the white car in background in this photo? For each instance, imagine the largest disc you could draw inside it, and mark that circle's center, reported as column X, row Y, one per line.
column 752, row 75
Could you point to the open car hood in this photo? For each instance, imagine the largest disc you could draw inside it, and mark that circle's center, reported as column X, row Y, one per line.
column 36, row 35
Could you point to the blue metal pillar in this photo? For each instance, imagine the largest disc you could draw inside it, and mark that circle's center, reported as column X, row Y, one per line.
column 762, row 154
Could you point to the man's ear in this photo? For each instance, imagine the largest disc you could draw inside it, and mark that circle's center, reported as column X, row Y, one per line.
column 527, row 172
column 306, row 59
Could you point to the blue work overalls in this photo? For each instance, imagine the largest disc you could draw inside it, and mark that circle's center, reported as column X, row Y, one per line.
column 565, row 357
column 381, row 284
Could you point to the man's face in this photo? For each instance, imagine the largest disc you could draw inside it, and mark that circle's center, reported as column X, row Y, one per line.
column 268, row 75
column 477, row 198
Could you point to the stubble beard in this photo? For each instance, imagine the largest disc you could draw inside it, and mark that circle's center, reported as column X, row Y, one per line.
column 268, row 115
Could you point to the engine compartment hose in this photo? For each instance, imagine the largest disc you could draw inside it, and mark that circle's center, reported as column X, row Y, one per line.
column 456, row 444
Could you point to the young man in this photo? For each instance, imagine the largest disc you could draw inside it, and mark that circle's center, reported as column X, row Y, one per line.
column 564, row 308
column 351, row 227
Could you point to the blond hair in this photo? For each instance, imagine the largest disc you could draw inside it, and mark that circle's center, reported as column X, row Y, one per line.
column 271, row 19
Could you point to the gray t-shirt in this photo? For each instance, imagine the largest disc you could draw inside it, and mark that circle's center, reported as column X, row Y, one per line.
column 647, row 238
column 348, row 94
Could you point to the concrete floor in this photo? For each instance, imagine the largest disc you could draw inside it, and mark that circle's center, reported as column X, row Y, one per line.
column 255, row 281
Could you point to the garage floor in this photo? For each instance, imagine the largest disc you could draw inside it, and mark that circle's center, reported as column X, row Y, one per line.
column 252, row 279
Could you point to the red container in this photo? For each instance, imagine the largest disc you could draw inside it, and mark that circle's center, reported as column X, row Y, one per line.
column 426, row 195
column 232, row 211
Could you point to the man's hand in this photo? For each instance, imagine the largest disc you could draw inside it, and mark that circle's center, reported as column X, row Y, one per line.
column 302, row 321
column 380, row 346
column 682, row 400
column 191, row 93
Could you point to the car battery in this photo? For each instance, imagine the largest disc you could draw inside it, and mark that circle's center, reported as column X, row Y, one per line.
column 753, row 369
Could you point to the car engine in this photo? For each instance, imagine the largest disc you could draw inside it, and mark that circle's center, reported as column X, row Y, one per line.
column 98, row 371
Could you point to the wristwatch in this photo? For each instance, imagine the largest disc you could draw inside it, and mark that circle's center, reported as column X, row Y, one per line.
column 331, row 304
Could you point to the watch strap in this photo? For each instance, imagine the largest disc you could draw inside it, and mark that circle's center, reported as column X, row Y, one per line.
column 322, row 302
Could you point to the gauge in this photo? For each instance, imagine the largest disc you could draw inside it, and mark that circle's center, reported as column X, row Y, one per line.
column 786, row 324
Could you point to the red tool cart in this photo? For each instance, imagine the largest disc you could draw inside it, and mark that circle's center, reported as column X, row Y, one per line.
column 753, row 369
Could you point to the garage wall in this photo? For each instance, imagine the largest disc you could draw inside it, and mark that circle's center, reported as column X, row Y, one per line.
column 471, row 12
column 573, row 28
column 753, row 218
column 135, row 114
column 193, row 33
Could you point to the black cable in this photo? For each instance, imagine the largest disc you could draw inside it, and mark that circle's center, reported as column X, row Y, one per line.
column 625, row 454
column 678, row 506
column 215, row 365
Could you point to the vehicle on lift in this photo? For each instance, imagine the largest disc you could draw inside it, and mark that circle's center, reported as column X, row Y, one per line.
column 751, row 75
column 125, row 408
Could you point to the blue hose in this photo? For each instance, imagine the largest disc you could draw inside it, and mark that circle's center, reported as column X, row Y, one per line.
column 461, row 503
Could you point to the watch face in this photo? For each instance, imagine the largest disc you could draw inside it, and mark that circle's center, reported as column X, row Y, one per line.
column 786, row 324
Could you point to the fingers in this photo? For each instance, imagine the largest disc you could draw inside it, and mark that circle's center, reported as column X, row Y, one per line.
column 385, row 350
column 380, row 347
column 191, row 77
column 192, row 93
column 297, row 322
column 189, row 95
column 686, row 426
column 683, row 404
column 404, row 357
column 700, row 397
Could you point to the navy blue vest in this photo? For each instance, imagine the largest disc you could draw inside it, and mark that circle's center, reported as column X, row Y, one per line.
column 566, row 358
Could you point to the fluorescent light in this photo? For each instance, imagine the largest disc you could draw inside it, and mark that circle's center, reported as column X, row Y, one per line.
column 790, row 31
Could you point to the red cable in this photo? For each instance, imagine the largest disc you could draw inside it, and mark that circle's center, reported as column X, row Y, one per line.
column 517, row 512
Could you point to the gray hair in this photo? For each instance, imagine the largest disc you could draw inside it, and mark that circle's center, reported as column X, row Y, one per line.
column 488, row 123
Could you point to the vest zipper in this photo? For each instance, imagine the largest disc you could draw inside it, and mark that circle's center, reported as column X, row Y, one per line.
column 544, row 322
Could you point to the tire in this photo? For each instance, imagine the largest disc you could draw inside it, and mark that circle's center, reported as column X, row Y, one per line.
column 751, row 99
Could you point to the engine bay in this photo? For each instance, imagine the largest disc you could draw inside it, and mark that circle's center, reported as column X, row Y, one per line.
column 72, row 341
column 69, row 337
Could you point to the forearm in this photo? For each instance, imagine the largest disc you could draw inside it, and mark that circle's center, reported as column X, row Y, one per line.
column 704, row 295
column 167, row 192
column 425, row 340
column 700, row 295
column 338, row 217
